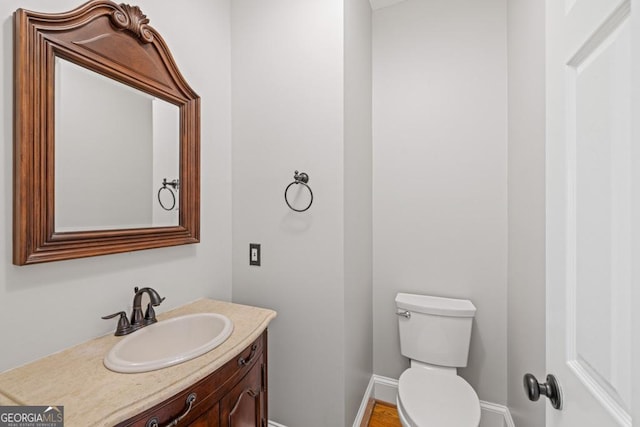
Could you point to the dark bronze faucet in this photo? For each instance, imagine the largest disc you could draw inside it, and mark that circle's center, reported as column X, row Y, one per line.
column 126, row 326
column 150, row 314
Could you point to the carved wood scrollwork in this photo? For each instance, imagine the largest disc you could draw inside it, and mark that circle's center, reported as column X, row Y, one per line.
column 132, row 19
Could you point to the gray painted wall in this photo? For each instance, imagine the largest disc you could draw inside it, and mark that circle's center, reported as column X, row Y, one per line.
column 440, row 173
column 526, row 292
column 635, row 352
column 45, row 308
column 291, row 111
column 287, row 115
column 358, row 245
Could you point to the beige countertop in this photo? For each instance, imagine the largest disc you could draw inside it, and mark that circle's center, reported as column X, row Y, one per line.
column 92, row 395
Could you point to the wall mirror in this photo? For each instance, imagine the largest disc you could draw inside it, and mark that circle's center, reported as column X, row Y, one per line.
column 106, row 136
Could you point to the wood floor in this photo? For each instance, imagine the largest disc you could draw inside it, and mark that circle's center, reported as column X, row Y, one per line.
column 380, row 414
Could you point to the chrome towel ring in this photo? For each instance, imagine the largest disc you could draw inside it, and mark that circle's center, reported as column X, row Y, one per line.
column 299, row 179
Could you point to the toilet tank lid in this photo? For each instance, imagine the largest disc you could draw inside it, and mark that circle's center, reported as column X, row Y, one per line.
column 436, row 305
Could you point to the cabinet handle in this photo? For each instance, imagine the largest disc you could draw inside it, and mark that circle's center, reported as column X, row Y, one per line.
column 153, row 422
column 244, row 362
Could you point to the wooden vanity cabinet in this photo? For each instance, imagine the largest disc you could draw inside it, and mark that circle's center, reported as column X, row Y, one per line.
column 235, row 395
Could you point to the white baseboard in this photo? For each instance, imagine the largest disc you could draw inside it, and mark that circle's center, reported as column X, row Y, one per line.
column 500, row 413
column 385, row 389
column 274, row 424
column 369, row 392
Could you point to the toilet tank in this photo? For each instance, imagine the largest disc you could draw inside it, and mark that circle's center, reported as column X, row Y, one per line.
column 437, row 330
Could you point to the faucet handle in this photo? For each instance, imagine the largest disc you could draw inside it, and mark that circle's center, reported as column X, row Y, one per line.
column 123, row 323
column 150, row 315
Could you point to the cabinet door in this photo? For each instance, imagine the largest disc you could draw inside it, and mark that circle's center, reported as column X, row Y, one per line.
column 244, row 405
column 210, row 418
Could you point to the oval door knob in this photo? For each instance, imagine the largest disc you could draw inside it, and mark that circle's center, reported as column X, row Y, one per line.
column 551, row 389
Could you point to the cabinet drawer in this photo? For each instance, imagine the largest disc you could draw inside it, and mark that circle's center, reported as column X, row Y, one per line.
column 178, row 406
column 231, row 372
column 208, row 392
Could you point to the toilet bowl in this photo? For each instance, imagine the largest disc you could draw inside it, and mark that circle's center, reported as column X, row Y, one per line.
column 430, row 398
column 435, row 334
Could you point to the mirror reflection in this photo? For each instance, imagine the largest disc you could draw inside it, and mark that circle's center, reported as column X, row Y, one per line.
column 117, row 154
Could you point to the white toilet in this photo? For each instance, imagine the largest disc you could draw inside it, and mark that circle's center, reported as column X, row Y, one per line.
column 435, row 334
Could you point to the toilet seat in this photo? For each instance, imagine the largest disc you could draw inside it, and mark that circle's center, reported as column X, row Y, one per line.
column 431, row 398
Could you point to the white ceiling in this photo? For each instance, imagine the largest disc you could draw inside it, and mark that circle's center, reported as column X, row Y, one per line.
column 379, row 4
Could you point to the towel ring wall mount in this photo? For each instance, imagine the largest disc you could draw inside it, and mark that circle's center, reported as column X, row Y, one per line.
column 299, row 179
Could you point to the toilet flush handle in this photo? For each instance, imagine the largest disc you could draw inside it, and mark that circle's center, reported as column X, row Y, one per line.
column 405, row 313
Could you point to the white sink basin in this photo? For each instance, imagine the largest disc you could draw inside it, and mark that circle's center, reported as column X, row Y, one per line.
column 169, row 342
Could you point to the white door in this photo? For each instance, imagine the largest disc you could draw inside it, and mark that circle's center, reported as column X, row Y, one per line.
column 589, row 200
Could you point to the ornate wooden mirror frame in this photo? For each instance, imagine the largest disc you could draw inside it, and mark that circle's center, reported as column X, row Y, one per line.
column 117, row 42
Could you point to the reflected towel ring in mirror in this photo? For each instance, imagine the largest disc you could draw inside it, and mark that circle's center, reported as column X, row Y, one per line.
column 299, row 179
column 176, row 185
